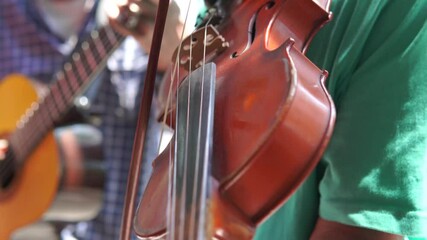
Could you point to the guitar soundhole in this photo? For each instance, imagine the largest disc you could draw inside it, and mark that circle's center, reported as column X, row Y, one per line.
column 7, row 170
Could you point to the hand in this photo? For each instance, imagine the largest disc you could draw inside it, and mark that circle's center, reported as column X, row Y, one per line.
column 139, row 16
column 72, row 158
column 4, row 146
column 325, row 230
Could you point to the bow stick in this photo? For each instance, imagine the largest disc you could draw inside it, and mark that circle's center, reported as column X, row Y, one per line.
column 143, row 117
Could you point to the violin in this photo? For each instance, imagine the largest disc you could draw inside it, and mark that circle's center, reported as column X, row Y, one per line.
column 262, row 120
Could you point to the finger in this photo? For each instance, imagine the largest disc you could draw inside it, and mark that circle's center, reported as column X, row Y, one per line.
column 4, row 145
column 130, row 15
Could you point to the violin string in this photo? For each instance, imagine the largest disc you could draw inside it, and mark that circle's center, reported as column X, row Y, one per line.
column 183, row 200
column 191, row 220
column 171, row 205
column 171, row 185
column 204, row 173
column 172, row 164
column 172, row 157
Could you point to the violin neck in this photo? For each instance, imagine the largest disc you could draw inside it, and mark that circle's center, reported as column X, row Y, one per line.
column 189, row 204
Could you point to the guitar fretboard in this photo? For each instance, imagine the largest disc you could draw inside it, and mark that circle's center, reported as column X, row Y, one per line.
column 82, row 66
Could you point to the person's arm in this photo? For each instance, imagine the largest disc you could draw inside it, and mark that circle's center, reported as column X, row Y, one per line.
column 72, row 155
column 326, row 230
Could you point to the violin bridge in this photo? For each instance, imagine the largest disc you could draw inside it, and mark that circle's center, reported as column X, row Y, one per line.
column 199, row 47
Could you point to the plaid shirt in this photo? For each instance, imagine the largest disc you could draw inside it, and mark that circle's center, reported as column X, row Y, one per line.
column 28, row 46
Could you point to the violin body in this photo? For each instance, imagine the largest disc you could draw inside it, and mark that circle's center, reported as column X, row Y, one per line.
column 273, row 119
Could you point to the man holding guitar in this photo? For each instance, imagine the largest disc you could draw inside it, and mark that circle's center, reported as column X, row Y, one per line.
column 35, row 39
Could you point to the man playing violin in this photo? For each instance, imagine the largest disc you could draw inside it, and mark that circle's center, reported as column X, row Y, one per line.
column 371, row 181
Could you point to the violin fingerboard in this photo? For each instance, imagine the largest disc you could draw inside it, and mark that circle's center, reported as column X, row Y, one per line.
column 189, row 214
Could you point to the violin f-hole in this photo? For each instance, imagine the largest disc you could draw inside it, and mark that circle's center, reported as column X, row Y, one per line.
column 252, row 32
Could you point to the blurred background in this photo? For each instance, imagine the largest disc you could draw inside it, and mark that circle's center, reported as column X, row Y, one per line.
column 80, row 194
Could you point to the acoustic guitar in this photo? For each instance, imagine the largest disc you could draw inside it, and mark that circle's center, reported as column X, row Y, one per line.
column 30, row 169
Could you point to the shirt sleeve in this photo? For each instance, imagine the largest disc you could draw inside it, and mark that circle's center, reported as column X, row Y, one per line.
column 376, row 162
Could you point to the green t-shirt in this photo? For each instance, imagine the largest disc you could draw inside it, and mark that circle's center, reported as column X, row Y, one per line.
column 374, row 171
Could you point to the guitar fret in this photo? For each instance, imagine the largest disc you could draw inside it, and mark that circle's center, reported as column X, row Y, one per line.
column 80, row 67
column 33, row 124
column 64, row 85
column 86, row 51
column 58, row 101
column 25, row 136
column 36, row 135
column 16, row 143
column 99, row 47
column 110, row 36
column 100, row 50
column 32, row 129
column 59, row 92
column 45, row 117
column 85, row 64
column 90, row 59
column 78, row 77
column 73, row 80
column 64, row 88
column 32, row 121
column 42, row 122
column 53, row 112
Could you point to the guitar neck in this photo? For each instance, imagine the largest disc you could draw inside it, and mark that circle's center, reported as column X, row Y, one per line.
column 85, row 62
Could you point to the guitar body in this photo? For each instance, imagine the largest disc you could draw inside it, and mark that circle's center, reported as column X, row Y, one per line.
column 35, row 185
